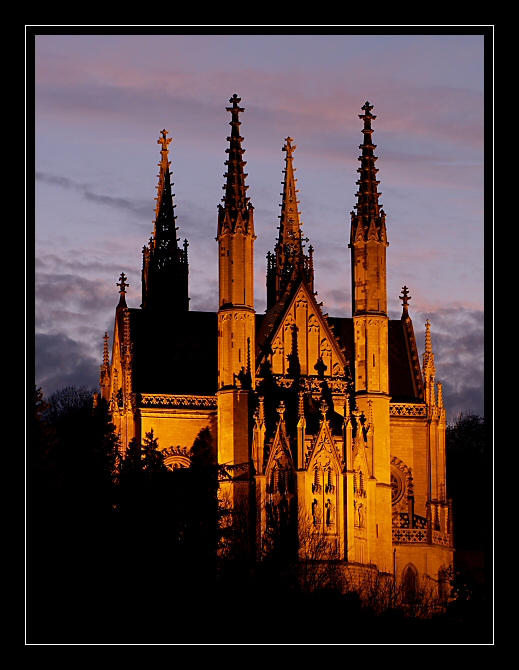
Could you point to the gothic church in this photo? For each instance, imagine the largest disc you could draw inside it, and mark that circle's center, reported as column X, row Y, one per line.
column 330, row 419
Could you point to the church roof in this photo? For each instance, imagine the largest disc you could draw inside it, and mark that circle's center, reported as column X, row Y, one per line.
column 180, row 356
column 177, row 355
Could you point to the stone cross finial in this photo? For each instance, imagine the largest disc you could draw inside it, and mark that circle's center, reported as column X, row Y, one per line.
column 288, row 147
column 122, row 283
column 367, row 116
column 405, row 298
column 164, row 141
column 235, row 100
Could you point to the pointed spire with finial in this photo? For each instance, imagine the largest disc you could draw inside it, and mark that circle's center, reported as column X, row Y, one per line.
column 106, row 357
column 414, row 359
column 429, row 369
column 104, row 376
column 165, row 266
column 236, row 211
column 369, row 221
column 289, row 259
column 289, row 244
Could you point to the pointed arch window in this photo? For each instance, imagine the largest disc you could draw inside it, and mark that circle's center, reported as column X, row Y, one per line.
column 410, row 584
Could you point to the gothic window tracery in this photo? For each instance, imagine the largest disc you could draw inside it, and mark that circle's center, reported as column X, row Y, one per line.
column 316, row 486
column 401, row 484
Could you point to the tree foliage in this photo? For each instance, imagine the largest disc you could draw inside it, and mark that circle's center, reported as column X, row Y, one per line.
column 468, row 481
column 115, row 539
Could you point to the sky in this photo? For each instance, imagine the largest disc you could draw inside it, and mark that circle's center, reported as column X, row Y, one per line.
column 101, row 100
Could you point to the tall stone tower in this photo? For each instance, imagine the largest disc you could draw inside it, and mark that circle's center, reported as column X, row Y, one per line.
column 368, row 242
column 236, row 315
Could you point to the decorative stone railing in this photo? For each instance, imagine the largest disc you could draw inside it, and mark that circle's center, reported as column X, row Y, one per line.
column 402, row 520
column 407, row 409
column 420, row 535
column 409, row 535
column 441, row 538
column 167, row 400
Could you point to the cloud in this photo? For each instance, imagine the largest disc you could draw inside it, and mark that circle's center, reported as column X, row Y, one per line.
column 139, row 209
column 458, row 339
column 101, row 99
column 62, row 361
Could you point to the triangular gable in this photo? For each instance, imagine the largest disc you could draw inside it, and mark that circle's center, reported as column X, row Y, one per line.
column 295, row 333
column 280, row 450
column 324, row 453
column 117, row 365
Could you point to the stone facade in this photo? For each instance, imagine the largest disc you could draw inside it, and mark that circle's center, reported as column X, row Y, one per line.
column 330, row 423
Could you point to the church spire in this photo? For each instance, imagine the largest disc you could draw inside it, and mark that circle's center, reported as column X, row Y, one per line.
column 236, row 212
column 429, row 369
column 369, row 221
column 289, row 246
column 288, row 259
column 368, row 240
column 165, row 266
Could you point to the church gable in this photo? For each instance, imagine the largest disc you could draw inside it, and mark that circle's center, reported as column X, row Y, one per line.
column 280, row 478
column 324, row 468
column 299, row 339
column 120, row 369
column 280, row 466
column 361, row 472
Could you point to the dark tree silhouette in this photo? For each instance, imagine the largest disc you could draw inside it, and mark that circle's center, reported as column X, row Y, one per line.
column 468, row 483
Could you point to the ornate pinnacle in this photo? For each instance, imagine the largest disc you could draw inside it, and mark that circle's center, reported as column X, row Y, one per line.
column 105, row 350
column 428, row 344
column 405, row 297
column 236, row 210
column 301, row 408
column 288, row 260
column 429, row 369
column 164, row 216
column 289, row 243
column 368, row 222
column 165, row 266
column 122, row 289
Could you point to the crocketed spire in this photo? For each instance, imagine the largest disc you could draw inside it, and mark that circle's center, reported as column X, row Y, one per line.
column 288, row 260
column 369, row 221
column 165, row 266
column 236, row 211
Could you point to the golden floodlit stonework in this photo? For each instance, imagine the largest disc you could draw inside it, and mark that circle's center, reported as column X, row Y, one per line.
column 329, row 424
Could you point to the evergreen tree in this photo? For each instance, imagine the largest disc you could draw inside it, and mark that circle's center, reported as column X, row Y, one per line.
column 468, row 483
